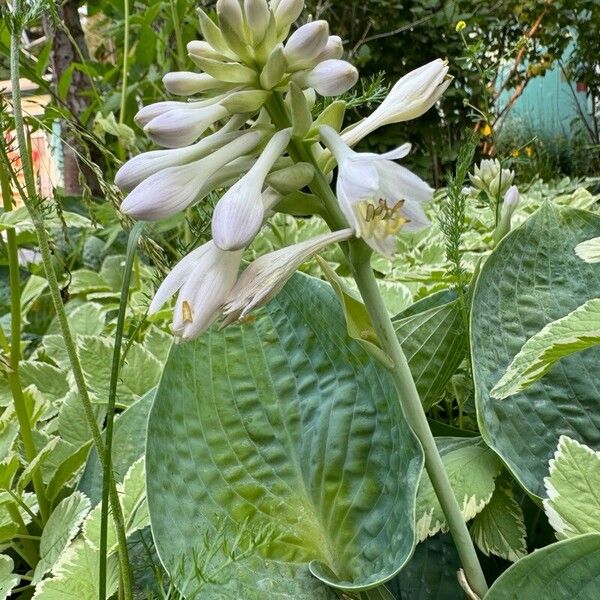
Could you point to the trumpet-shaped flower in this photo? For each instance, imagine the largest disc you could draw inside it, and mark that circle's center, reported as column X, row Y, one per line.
column 331, row 77
column 264, row 278
column 142, row 166
column 238, row 215
column 173, row 189
column 377, row 196
column 413, row 94
column 204, row 279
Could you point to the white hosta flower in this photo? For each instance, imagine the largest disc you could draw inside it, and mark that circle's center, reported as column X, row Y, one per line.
column 305, row 44
column 264, row 278
column 204, row 279
column 413, row 95
column 377, row 196
column 183, row 126
column 230, row 13
column 142, row 166
column 490, row 177
column 238, row 215
column 331, row 77
column 173, row 189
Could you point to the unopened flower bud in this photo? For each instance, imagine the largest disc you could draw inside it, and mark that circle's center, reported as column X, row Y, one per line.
column 186, row 83
column 245, row 101
column 205, row 50
column 509, row 205
column 289, row 179
column 301, row 116
column 286, row 12
column 305, row 44
column 230, row 14
column 329, row 78
column 333, row 49
column 258, row 17
column 212, row 34
column 274, row 69
column 230, row 72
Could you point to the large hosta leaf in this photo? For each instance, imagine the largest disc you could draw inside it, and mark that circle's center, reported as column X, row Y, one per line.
column 286, row 429
column 532, row 278
column 567, row 569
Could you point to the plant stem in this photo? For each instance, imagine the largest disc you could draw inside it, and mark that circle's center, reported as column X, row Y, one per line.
column 181, row 55
column 107, row 473
column 31, row 203
column 415, row 415
column 360, row 261
column 13, row 376
column 124, row 74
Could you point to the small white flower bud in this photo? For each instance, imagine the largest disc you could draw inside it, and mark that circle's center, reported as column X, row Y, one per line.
column 286, row 12
column 246, row 101
column 333, row 49
column 258, row 17
column 305, row 44
column 205, row 50
column 186, row 83
column 274, row 69
column 329, row 78
column 230, row 14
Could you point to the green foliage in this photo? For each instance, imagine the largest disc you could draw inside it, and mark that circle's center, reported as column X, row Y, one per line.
column 577, row 331
column 567, row 569
column 573, row 489
column 532, row 278
column 292, row 420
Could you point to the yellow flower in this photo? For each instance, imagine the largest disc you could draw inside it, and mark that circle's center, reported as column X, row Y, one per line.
column 515, row 153
column 460, row 26
column 486, row 130
column 529, row 151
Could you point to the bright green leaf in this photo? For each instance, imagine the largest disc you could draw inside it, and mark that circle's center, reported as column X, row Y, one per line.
column 8, row 579
column 61, row 528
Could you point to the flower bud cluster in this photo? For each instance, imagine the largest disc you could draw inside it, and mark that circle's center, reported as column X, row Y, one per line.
column 490, row 177
column 254, row 97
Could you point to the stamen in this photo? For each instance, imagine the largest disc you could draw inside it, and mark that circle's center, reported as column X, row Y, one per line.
column 187, row 311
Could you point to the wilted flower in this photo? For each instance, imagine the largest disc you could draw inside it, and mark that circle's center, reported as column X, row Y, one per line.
column 412, row 95
column 377, row 196
column 238, row 215
column 490, row 177
column 264, row 277
column 204, row 279
column 171, row 190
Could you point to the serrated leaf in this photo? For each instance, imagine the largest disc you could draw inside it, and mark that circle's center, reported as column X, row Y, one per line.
column 567, row 569
column 86, row 319
column 61, row 528
column 287, row 425
column 67, row 469
column 532, row 278
column 36, row 463
column 75, row 576
column 575, row 332
column 434, row 343
column 8, row 579
column 132, row 493
column 72, row 424
column 500, row 527
column 471, row 468
column 573, row 488
column 129, row 441
column 50, row 381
